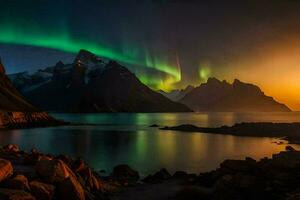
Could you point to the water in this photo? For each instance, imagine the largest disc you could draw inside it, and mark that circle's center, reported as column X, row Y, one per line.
column 127, row 138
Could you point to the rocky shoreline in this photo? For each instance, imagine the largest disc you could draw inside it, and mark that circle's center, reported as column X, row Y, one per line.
column 286, row 131
column 37, row 176
column 17, row 120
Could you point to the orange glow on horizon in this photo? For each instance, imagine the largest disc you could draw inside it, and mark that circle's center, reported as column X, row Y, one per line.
column 274, row 68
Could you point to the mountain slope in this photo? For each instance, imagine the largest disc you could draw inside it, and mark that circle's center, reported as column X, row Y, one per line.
column 15, row 111
column 218, row 95
column 176, row 95
column 90, row 84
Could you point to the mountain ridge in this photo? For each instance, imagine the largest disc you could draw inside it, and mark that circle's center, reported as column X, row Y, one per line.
column 216, row 95
column 90, row 84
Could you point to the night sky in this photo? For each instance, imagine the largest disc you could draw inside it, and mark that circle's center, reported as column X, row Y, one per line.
column 167, row 43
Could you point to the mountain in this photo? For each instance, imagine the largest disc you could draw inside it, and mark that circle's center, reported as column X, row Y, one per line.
column 15, row 111
column 216, row 95
column 91, row 84
column 176, row 95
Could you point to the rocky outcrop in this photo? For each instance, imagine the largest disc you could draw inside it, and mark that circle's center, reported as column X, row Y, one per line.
column 159, row 176
column 48, row 178
column 125, row 174
column 61, row 177
column 41, row 190
column 287, row 131
column 15, row 111
column 19, row 182
column 6, row 169
column 16, row 119
column 10, row 194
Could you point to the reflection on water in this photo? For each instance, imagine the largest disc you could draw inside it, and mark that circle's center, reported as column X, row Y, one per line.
column 127, row 138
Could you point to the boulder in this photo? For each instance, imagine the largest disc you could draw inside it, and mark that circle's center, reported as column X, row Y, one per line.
column 91, row 182
column 154, row 125
column 52, row 171
column 208, row 179
column 289, row 148
column 10, row 194
column 124, row 171
column 70, row 189
column 159, row 176
column 233, row 166
column 67, row 159
column 42, row 191
column 33, row 158
column 11, row 148
column 162, row 174
column 288, row 160
column 78, row 165
column 19, row 182
column 245, row 181
column 192, row 193
column 6, row 169
column 180, row 175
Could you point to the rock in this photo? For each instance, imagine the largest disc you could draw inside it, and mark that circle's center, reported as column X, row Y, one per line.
column 42, row 191
column 6, row 169
column 31, row 159
column 52, row 171
column 56, row 171
column 91, row 182
column 19, row 182
column 192, row 193
column 34, row 151
column 67, row 159
column 286, row 160
column 245, row 181
column 162, row 174
column 154, row 125
column 294, row 197
column 208, row 179
column 70, row 189
column 9, row 194
column 180, row 175
column 124, row 171
column 233, row 166
column 290, row 148
column 159, row 176
column 11, row 148
column 78, row 165
column 34, row 157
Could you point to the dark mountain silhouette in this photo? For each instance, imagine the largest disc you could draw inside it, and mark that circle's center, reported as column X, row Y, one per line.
column 218, row 95
column 91, row 84
column 15, row 111
column 176, row 95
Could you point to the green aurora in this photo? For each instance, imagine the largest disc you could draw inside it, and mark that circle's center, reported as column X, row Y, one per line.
column 62, row 40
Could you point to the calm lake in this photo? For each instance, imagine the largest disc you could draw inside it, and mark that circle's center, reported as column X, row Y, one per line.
column 127, row 138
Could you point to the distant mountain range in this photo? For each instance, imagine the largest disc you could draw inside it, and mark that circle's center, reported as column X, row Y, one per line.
column 15, row 111
column 176, row 95
column 216, row 95
column 91, row 84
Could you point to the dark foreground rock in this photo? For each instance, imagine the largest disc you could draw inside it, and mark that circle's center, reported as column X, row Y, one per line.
column 276, row 178
column 49, row 177
column 288, row 131
column 39, row 176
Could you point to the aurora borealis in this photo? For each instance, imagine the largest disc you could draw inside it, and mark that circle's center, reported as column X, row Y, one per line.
column 167, row 43
column 64, row 42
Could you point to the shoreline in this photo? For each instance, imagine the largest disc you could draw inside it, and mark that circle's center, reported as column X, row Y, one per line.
column 286, row 131
column 34, row 175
